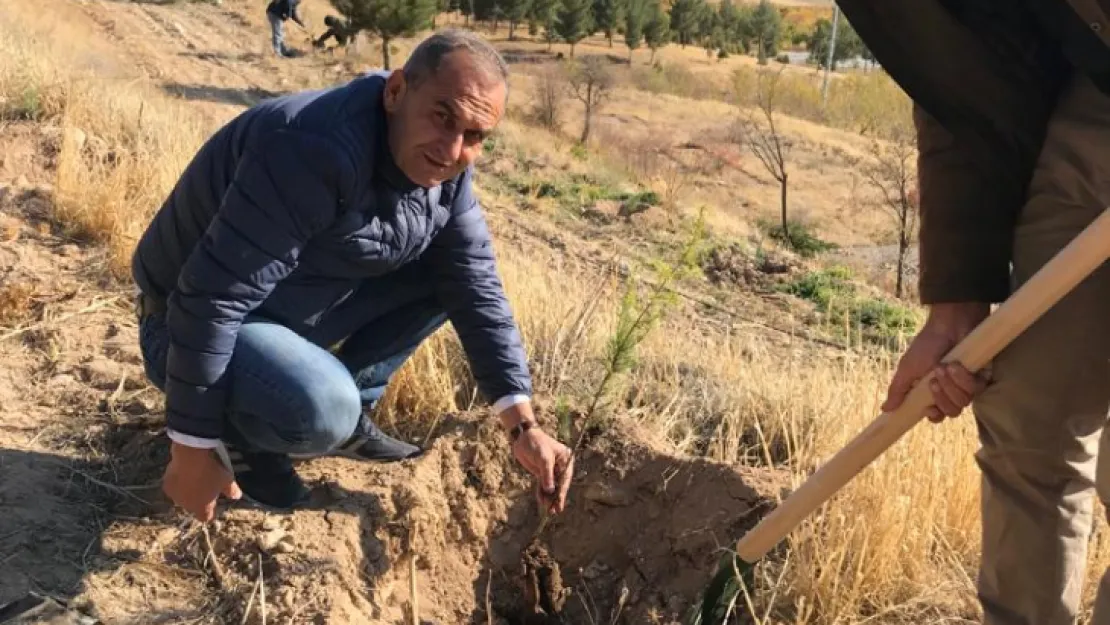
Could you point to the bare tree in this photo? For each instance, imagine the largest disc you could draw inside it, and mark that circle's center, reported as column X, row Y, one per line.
column 549, row 93
column 892, row 173
column 758, row 131
column 590, row 82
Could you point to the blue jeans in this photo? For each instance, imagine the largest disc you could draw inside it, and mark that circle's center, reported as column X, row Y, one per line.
column 277, row 34
column 288, row 395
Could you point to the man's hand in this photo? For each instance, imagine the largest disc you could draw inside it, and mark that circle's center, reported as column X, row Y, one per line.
column 194, row 478
column 548, row 460
column 551, row 463
column 954, row 386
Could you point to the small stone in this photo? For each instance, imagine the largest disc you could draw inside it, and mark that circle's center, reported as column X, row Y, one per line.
column 271, row 523
column 287, row 598
column 271, row 539
column 22, row 182
column 285, row 546
column 608, row 495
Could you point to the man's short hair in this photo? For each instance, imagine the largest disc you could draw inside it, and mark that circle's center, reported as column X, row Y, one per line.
column 425, row 59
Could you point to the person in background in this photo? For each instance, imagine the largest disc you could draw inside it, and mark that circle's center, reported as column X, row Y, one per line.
column 277, row 12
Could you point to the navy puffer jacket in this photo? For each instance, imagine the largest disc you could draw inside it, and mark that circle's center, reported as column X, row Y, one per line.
column 296, row 211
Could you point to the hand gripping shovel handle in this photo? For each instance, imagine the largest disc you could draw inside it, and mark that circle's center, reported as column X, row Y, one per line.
column 1068, row 268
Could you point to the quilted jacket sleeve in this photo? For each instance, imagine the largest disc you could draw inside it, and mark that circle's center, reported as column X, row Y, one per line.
column 461, row 261
column 282, row 194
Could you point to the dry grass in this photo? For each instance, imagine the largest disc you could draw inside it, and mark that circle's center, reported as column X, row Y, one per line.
column 110, row 187
column 899, row 544
column 124, row 143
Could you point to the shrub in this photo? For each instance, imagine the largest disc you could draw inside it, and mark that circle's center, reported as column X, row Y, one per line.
column 835, row 296
column 550, row 92
column 799, row 238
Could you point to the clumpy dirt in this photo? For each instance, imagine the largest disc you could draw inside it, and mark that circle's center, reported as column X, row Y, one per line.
column 544, row 593
column 733, row 265
column 639, row 537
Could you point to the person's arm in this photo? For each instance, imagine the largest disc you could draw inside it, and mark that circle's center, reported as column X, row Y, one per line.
column 461, row 261
column 283, row 193
column 296, row 13
column 462, row 265
column 966, row 224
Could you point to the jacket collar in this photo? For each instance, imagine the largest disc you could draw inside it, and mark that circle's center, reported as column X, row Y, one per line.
column 387, row 167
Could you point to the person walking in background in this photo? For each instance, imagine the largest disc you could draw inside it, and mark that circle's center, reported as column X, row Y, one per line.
column 277, row 12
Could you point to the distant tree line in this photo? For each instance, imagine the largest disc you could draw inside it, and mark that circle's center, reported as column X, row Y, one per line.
column 722, row 29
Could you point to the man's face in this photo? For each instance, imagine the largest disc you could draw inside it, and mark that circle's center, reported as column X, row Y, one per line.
column 436, row 130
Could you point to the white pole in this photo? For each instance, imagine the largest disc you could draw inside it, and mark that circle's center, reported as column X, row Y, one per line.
column 832, row 50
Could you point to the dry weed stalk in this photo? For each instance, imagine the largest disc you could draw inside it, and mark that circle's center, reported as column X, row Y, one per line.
column 211, row 559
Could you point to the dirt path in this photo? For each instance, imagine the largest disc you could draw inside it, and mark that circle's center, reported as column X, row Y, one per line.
column 216, row 56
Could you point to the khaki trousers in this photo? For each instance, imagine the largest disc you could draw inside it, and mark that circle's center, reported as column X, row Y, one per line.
column 1041, row 419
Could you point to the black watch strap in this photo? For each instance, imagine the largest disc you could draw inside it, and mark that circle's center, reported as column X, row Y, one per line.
column 520, row 428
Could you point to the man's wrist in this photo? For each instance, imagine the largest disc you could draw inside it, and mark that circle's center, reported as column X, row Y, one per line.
column 517, row 411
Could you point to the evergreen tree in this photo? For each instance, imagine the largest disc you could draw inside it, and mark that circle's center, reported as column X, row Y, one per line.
column 634, row 16
column 515, row 11
column 728, row 18
column 710, row 34
column 575, row 21
column 766, row 30
column 541, row 14
column 848, row 43
column 488, row 11
column 607, row 15
column 684, row 18
column 657, row 28
column 388, row 19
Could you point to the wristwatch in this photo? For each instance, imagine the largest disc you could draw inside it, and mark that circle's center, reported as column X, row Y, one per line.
column 520, row 428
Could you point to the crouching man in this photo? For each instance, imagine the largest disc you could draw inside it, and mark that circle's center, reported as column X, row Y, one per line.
column 308, row 249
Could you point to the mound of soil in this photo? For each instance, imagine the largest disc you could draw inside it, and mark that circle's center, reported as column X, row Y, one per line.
column 639, row 538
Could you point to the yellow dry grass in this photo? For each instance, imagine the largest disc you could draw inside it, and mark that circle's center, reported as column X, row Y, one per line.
column 898, row 545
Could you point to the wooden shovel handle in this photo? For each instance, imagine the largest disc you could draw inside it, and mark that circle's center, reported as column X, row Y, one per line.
column 1068, row 268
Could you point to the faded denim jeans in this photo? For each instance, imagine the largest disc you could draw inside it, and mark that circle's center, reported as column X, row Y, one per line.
column 277, row 33
column 288, row 395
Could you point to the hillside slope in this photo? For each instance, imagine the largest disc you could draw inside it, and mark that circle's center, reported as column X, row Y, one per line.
column 81, row 447
column 765, row 364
